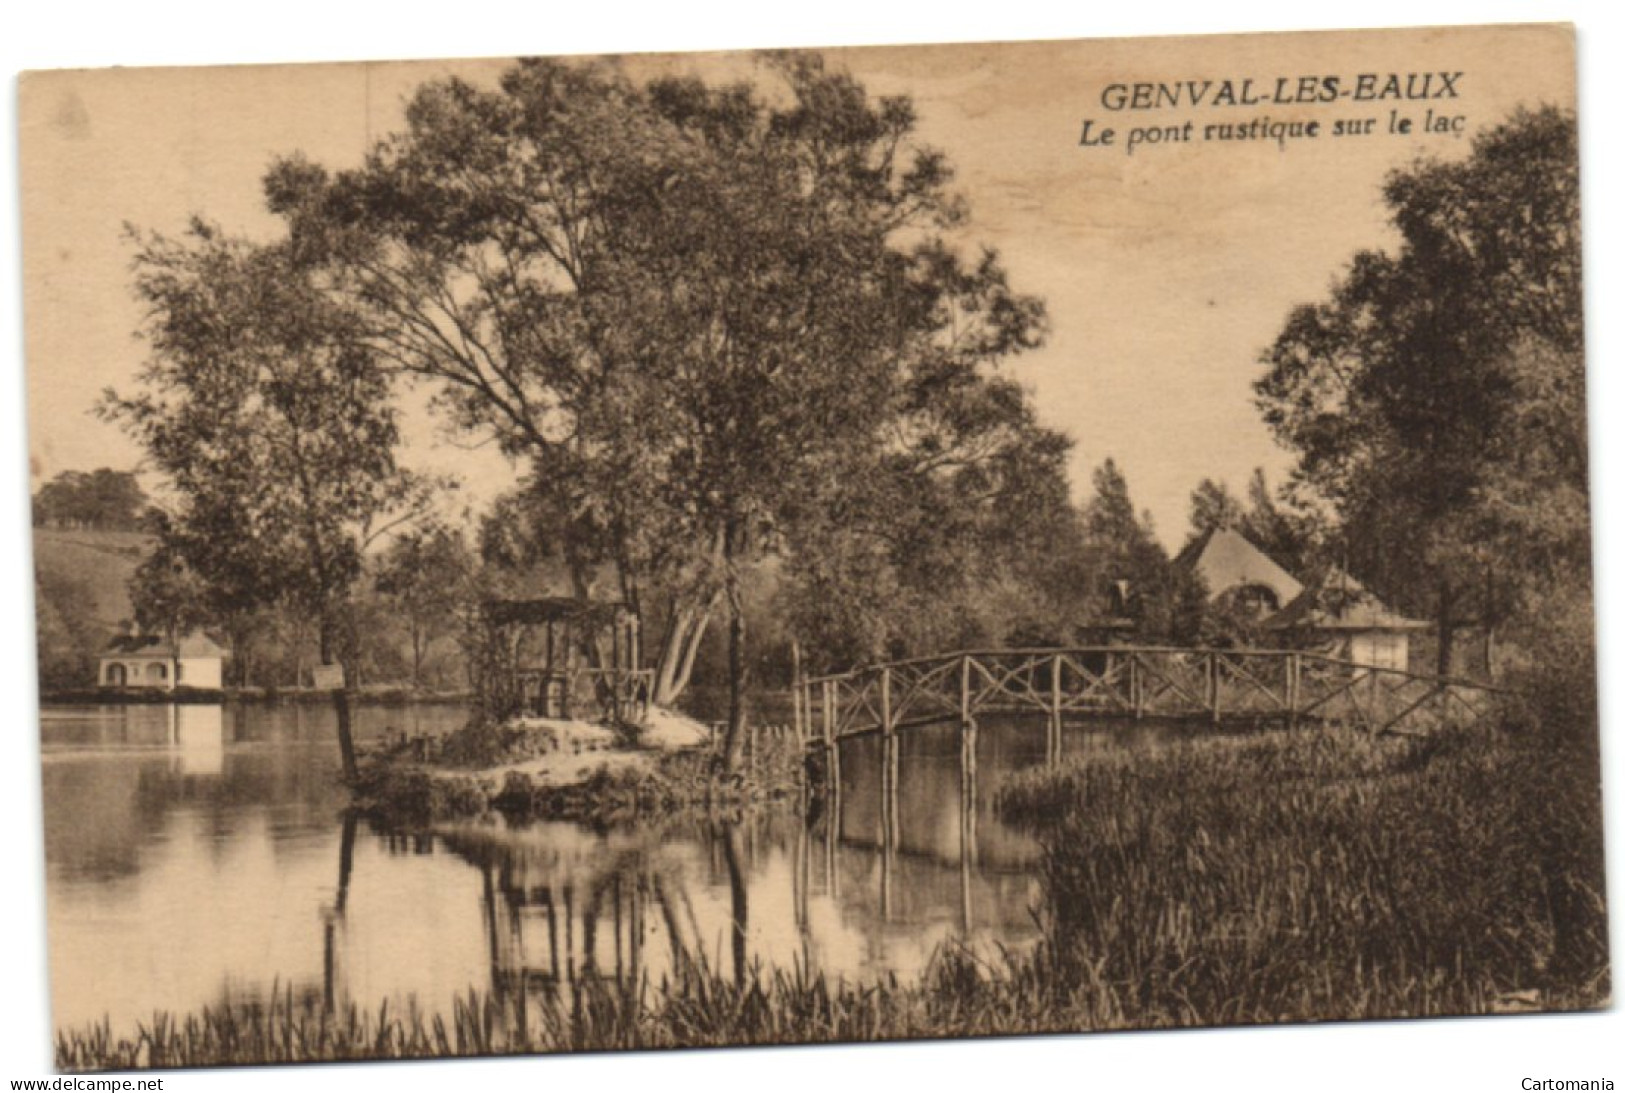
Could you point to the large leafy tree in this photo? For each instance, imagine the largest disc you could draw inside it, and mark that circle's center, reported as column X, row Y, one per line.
column 931, row 550
column 1401, row 390
column 272, row 422
column 104, row 499
column 700, row 313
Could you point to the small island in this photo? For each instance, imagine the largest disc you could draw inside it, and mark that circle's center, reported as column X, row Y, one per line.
column 562, row 728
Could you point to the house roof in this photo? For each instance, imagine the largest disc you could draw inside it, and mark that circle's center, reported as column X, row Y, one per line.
column 189, row 646
column 1339, row 602
column 1227, row 559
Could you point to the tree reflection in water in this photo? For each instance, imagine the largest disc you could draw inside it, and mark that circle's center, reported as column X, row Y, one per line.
column 855, row 885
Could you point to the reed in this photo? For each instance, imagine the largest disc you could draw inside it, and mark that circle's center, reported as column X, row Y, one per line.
column 960, row 996
column 1324, row 875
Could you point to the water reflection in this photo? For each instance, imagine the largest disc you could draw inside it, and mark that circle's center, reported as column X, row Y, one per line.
column 205, row 859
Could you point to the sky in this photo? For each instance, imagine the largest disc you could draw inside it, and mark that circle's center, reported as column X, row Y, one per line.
column 1166, row 269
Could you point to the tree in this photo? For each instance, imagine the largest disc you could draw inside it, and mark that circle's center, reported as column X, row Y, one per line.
column 1165, row 602
column 273, row 424
column 104, row 499
column 699, row 313
column 1399, row 391
column 168, row 596
column 1282, row 526
column 424, row 574
column 1285, row 527
column 1213, row 507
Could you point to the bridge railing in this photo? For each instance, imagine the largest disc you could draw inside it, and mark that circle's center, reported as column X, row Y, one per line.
column 1133, row 682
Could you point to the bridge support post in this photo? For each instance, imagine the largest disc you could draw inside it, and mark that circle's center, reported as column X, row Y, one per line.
column 832, row 753
column 1213, row 686
column 798, row 698
column 889, row 819
column 1136, row 686
column 1052, row 740
column 967, row 769
column 888, row 849
column 967, row 789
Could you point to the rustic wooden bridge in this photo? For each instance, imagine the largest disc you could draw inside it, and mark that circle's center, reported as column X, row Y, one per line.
column 1131, row 683
column 1237, row 687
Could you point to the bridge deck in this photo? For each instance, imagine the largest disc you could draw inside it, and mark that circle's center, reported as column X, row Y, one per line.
column 1131, row 682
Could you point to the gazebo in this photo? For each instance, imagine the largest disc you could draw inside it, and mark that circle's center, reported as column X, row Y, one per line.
column 562, row 657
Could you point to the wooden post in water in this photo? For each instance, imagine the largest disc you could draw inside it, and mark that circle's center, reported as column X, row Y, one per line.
column 803, row 873
column 569, row 935
column 634, row 928
column 552, row 938
column 886, row 802
column 964, row 883
column 832, row 765
column 798, row 697
column 889, row 819
column 967, row 766
column 1052, row 751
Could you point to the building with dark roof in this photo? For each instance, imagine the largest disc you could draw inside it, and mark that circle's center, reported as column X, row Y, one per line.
column 1350, row 622
column 1337, row 615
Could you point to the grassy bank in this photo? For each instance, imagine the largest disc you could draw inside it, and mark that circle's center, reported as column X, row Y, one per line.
column 1322, row 876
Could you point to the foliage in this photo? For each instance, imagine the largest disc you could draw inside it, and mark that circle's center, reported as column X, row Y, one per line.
column 1135, row 579
column 66, row 635
column 167, row 595
column 1435, row 400
column 425, row 575
column 702, row 314
column 699, row 1007
column 415, row 797
column 104, row 499
column 1280, row 878
column 273, row 424
column 1213, row 507
column 1286, row 528
column 1279, row 524
column 922, row 556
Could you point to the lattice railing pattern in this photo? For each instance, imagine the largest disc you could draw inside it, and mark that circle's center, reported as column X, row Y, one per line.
column 1134, row 681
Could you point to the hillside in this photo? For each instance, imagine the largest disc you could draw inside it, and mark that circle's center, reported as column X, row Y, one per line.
column 99, row 563
column 81, row 586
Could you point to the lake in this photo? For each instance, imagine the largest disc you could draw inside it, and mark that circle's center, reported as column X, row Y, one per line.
column 200, row 855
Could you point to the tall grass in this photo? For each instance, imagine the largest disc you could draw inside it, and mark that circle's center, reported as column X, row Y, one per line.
column 960, row 996
column 1322, row 875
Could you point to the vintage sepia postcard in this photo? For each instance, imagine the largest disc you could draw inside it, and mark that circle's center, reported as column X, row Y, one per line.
column 670, row 550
